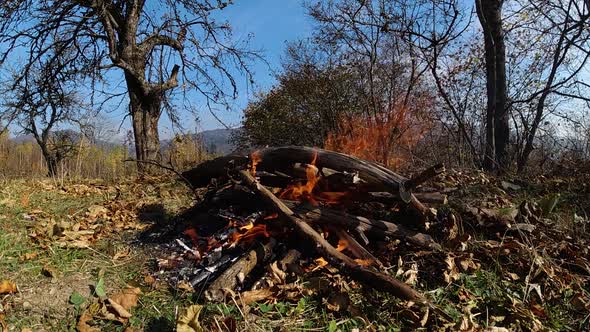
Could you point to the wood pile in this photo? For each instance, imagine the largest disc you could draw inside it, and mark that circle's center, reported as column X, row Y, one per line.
column 280, row 205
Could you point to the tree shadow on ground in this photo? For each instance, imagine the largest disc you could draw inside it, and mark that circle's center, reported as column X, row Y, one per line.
column 160, row 324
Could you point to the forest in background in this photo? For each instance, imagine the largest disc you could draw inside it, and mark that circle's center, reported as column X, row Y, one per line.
column 500, row 85
column 497, row 85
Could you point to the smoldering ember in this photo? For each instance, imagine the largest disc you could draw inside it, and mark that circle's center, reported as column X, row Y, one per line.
column 285, row 205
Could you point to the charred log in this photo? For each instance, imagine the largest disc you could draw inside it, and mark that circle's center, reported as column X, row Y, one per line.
column 345, row 264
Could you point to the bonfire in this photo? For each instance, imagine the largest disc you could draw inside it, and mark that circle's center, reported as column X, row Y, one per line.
column 298, row 210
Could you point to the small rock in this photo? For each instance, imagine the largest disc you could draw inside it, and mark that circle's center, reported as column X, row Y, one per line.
column 509, row 185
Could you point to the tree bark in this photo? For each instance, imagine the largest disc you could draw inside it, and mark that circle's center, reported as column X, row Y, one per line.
column 52, row 164
column 489, row 13
column 145, row 112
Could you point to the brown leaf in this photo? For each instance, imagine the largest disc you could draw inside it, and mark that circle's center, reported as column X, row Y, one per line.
column 3, row 322
column 581, row 302
column 469, row 264
column 252, row 296
column 96, row 211
column 127, row 298
column 337, row 302
column 464, row 295
column 28, row 256
column 185, row 286
column 424, row 319
column 452, row 273
column 132, row 329
column 150, row 280
column 119, row 309
column 538, row 310
column 513, row 276
column 279, row 275
column 7, row 287
column 83, row 326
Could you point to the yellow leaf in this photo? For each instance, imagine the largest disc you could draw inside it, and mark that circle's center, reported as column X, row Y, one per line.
column 7, row 287
column 188, row 321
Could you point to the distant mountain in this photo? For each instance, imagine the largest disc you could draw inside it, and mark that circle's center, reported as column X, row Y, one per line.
column 26, row 138
column 217, row 141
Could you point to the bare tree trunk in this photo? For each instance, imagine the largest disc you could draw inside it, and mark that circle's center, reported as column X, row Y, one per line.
column 145, row 112
column 52, row 163
column 562, row 47
column 489, row 13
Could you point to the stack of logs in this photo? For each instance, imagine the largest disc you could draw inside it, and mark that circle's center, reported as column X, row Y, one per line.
column 339, row 182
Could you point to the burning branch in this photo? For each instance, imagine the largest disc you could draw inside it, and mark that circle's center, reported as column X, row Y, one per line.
column 306, row 189
column 345, row 264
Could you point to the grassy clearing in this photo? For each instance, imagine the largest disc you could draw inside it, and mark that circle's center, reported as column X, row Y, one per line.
column 43, row 302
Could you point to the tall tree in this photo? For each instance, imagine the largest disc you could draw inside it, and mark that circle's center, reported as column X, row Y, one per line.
column 562, row 38
column 40, row 106
column 496, row 156
column 156, row 45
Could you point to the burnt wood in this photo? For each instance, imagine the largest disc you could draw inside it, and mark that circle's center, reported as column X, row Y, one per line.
column 345, row 264
column 284, row 158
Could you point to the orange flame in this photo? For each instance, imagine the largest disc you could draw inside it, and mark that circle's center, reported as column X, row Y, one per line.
column 305, row 191
column 364, row 262
column 251, row 233
column 247, row 227
column 271, row 216
column 301, row 191
column 342, row 244
column 255, row 158
column 321, row 262
column 192, row 233
column 386, row 137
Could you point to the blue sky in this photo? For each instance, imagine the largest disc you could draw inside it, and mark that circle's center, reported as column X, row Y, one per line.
column 272, row 23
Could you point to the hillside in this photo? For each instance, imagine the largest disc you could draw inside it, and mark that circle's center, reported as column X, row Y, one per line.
column 217, row 141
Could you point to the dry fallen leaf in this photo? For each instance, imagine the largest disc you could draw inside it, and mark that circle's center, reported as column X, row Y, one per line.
column 83, row 326
column 278, row 275
column 258, row 295
column 496, row 329
column 337, row 301
column 513, row 276
column 132, row 329
column 119, row 309
column 28, row 256
column 185, row 286
column 96, row 210
column 412, row 274
column 188, row 321
column 7, row 287
column 3, row 324
column 127, row 298
column 452, row 273
column 150, row 280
